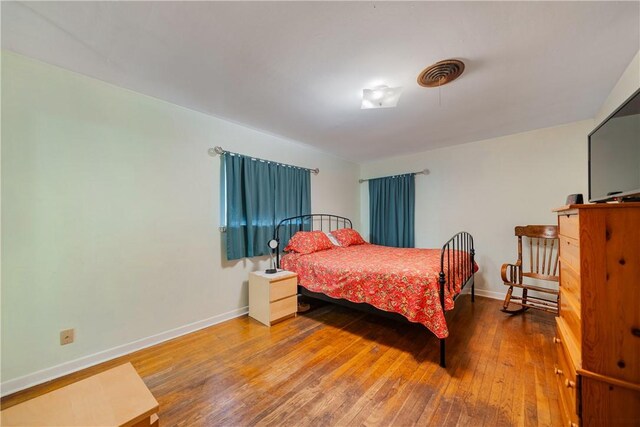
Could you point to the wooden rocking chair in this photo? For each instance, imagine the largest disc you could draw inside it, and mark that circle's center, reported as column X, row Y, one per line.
column 543, row 263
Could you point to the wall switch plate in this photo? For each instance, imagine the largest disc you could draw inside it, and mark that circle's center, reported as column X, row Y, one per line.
column 67, row 336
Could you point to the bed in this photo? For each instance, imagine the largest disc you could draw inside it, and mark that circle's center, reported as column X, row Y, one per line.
column 416, row 285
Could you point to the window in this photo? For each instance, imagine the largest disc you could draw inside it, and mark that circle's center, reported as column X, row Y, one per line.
column 259, row 194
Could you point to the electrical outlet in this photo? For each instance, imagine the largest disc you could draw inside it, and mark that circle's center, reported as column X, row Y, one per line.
column 67, row 336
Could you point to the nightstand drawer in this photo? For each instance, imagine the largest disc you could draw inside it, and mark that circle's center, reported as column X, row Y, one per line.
column 283, row 288
column 284, row 308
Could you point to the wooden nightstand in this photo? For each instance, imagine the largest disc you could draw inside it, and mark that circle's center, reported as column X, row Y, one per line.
column 273, row 297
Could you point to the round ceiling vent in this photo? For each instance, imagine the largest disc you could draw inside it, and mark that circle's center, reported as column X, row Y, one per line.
column 441, row 73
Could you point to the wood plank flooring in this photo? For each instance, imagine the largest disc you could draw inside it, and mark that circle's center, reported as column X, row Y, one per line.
column 335, row 366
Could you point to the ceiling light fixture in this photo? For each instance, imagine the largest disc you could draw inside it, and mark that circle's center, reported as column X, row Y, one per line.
column 380, row 97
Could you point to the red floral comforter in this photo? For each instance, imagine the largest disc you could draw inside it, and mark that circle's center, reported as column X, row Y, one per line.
column 398, row 280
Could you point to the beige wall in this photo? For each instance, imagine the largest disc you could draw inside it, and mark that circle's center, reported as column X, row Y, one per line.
column 488, row 187
column 628, row 83
column 110, row 214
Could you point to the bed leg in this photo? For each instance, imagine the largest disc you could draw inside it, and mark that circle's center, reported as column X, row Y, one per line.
column 473, row 275
column 442, row 362
column 473, row 291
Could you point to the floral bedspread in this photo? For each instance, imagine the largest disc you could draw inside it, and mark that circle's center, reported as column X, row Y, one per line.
column 398, row 280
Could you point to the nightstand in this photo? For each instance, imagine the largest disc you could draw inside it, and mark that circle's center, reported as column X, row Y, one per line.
column 273, row 297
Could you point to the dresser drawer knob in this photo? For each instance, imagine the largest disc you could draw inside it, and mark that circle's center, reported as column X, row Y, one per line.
column 557, row 340
column 557, row 371
column 569, row 384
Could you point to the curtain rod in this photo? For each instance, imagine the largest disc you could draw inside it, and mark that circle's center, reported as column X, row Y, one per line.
column 422, row 172
column 220, row 151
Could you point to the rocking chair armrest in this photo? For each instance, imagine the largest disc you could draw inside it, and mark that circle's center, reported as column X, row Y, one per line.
column 508, row 270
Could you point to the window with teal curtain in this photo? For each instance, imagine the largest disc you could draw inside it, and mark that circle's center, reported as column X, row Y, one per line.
column 260, row 194
column 391, row 211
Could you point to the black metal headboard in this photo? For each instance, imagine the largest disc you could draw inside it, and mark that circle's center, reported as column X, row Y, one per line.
column 310, row 222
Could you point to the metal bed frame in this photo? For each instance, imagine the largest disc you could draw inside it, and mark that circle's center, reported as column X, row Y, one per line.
column 449, row 256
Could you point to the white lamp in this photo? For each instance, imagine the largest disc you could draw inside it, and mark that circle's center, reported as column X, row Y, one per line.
column 380, row 97
column 273, row 245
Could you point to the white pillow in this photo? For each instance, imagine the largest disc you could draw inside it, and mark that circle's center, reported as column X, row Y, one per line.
column 332, row 238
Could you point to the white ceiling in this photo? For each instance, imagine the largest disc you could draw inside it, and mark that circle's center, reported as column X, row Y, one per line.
column 298, row 69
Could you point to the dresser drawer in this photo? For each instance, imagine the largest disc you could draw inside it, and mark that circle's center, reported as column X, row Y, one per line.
column 570, row 313
column 283, row 308
column 623, row 404
column 570, row 253
column 566, row 379
column 570, row 281
column 283, row 288
column 569, row 226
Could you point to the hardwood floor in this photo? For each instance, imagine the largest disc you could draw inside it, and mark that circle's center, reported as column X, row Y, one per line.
column 334, row 366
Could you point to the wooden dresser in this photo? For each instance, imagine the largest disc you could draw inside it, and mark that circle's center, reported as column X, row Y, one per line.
column 598, row 328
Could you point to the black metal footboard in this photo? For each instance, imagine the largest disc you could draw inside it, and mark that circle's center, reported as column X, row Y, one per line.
column 457, row 260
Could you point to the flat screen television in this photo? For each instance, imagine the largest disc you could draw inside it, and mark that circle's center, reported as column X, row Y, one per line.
column 614, row 155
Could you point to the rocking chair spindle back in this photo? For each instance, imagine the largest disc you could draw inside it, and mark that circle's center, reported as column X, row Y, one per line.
column 543, row 266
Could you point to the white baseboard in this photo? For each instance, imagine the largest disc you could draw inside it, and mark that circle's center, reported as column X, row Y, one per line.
column 490, row 294
column 487, row 294
column 48, row 374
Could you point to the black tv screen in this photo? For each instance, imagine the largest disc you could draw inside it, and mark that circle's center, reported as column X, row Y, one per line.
column 614, row 154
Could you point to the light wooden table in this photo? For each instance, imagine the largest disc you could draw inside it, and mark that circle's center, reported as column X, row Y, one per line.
column 117, row 397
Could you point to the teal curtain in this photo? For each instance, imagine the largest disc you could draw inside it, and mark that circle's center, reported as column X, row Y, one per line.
column 391, row 211
column 260, row 194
